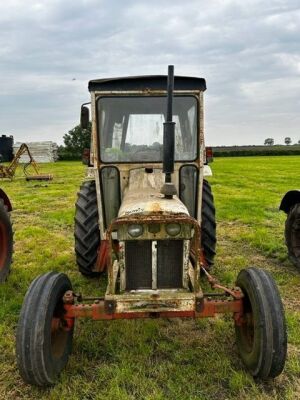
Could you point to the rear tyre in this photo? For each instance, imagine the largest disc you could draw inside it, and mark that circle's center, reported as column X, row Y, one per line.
column 208, row 224
column 6, row 242
column 261, row 335
column 292, row 234
column 87, row 235
column 43, row 341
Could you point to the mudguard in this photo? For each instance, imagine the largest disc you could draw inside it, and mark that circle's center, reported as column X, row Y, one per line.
column 207, row 170
column 6, row 200
column 289, row 199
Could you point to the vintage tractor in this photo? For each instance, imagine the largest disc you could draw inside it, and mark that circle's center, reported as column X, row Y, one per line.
column 146, row 215
column 290, row 204
column 6, row 236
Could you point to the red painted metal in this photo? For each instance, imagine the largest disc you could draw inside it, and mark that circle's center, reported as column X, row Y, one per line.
column 69, row 324
column 210, row 308
column 213, row 307
column 103, row 254
column 101, row 263
column 209, row 154
column 235, row 293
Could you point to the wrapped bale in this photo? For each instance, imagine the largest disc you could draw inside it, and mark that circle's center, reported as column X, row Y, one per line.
column 42, row 152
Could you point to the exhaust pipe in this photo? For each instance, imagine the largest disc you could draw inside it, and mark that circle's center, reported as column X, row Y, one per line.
column 168, row 189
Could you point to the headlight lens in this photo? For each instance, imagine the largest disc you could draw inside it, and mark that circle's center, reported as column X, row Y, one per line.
column 173, row 229
column 135, row 230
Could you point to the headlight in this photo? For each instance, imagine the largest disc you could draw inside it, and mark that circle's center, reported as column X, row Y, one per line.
column 173, row 229
column 135, row 230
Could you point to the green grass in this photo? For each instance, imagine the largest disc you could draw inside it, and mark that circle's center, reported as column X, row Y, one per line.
column 156, row 359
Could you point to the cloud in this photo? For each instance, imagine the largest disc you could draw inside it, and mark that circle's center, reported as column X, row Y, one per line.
column 248, row 51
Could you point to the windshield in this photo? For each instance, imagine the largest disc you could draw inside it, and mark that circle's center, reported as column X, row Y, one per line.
column 131, row 128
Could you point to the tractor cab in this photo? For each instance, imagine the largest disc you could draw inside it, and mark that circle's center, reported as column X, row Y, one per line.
column 128, row 117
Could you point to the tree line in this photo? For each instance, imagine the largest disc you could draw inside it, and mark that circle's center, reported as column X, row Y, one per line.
column 287, row 141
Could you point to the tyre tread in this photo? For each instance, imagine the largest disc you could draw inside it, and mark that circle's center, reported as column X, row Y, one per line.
column 271, row 352
column 33, row 365
column 86, row 233
column 208, row 224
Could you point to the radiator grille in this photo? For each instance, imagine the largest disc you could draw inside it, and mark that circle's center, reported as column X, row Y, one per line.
column 138, row 264
column 169, row 264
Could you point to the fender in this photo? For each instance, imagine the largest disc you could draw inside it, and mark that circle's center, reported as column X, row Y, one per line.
column 6, row 200
column 289, row 199
column 207, row 170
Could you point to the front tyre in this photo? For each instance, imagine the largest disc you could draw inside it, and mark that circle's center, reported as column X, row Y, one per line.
column 292, row 234
column 43, row 339
column 261, row 334
column 6, row 242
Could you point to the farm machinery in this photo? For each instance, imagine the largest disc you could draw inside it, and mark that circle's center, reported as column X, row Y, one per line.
column 10, row 170
column 6, row 236
column 146, row 215
column 290, row 204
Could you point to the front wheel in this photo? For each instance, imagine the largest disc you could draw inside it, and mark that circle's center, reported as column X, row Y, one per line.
column 292, row 234
column 261, row 334
column 43, row 339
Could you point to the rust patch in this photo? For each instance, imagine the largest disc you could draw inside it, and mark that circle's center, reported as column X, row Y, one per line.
column 100, row 310
column 144, row 189
column 155, row 207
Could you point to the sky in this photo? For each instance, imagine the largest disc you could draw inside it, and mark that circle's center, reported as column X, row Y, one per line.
column 248, row 51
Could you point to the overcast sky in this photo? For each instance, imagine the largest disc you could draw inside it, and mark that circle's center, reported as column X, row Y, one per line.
column 248, row 51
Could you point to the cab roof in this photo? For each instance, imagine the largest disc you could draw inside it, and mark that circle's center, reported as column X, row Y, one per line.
column 151, row 82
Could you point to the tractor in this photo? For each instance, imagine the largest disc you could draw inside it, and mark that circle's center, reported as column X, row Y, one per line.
column 6, row 236
column 290, row 204
column 145, row 215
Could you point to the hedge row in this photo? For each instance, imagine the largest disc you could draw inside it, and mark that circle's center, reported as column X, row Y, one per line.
column 66, row 155
column 236, row 151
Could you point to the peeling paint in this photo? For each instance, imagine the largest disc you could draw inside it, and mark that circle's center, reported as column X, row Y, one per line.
column 142, row 195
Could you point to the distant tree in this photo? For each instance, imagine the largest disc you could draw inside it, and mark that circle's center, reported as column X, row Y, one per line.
column 287, row 140
column 76, row 140
column 298, row 141
column 269, row 142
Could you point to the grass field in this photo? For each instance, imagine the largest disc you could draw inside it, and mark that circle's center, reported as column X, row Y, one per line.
column 156, row 359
